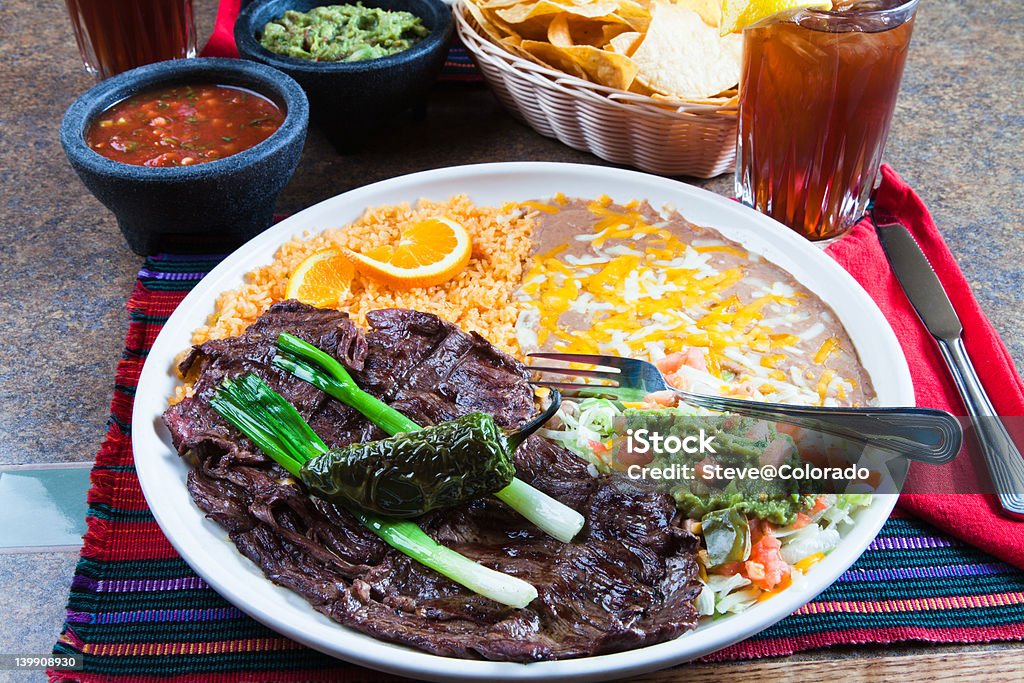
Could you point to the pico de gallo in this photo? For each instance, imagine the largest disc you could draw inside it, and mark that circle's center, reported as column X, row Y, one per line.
column 758, row 536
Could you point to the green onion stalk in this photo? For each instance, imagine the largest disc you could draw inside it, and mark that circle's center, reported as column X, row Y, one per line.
column 323, row 371
column 278, row 429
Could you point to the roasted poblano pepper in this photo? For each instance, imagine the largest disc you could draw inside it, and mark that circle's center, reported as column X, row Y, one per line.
column 727, row 535
column 411, row 473
column 278, row 429
column 308, row 363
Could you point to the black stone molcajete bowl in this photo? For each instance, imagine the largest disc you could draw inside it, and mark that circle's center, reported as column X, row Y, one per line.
column 209, row 207
column 349, row 100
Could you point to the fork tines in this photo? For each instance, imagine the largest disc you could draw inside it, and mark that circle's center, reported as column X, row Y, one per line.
column 576, row 358
column 608, row 375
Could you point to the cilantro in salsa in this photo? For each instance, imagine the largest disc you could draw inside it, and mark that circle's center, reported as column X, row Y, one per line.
column 342, row 33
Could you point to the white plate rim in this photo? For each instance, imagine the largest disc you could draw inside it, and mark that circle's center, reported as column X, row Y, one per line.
column 204, row 545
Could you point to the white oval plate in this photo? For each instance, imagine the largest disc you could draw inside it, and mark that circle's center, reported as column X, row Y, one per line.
column 204, row 544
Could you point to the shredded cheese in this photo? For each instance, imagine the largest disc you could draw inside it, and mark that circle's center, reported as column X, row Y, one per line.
column 643, row 292
column 827, row 348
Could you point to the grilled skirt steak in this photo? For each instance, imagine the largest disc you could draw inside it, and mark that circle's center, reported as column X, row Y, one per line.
column 626, row 581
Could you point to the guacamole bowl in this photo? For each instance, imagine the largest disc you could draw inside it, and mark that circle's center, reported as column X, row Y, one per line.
column 207, row 207
column 349, row 100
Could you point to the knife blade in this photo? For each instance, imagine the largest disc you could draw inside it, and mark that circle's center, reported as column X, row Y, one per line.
column 919, row 282
column 926, row 294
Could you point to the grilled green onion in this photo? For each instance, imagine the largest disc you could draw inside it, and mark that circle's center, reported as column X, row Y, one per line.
column 279, row 430
column 320, row 369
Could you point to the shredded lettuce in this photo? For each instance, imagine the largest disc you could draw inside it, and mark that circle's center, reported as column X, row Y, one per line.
column 590, row 420
column 734, row 594
column 725, row 593
column 738, row 601
column 812, row 539
column 845, row 504
column 705, row 601
column 596, row 420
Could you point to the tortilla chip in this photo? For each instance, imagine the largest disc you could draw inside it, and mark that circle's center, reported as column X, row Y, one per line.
column 721, row 101
column 517, row 14
column 482, row 18
column 636, row 15
column 594, row 32
column 552, row 57
column 609, row 31
column 558, row 31
column 625, row 43
column 709, row 10
column 683, row 57
column 498, row 4
column 597, row 65
column 669, row 52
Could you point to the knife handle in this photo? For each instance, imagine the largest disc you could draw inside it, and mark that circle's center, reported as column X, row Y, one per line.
column 1004, row 460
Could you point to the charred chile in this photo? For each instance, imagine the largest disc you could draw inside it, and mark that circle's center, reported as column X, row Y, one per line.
column 408, row 474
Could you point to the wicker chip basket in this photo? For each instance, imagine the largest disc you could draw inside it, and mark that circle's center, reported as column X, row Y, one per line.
column 618, row 126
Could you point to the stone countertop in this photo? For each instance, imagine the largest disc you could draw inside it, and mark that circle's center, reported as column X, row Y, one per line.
column 66, row 273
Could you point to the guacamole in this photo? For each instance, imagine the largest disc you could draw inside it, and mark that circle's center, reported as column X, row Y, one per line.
column 738, row 442
column 342, row 33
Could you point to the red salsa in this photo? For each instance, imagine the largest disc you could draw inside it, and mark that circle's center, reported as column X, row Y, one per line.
column 183, row 125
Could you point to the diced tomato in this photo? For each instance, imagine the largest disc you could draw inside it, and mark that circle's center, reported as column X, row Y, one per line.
column 696, row 359
column 671, row 362
column 874, row 479
column 836, row 457
column 766, row 569
column 598, row 447
column 776, row 452
column 665, row 399
column 801, row 521
column 691, row 357
column 677, row 380
column 705, row 469
column 813, row 456
column 754, row 570
column 758, row 431
column 786, row 428
column 820, row 504
column 627, row 457
column 745, row 390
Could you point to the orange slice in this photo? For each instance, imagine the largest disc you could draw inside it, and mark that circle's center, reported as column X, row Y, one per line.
column 427, row 253
column 322, row 280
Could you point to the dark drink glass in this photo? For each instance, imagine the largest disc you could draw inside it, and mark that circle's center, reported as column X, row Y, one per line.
column 118, row 35
column 817, row 93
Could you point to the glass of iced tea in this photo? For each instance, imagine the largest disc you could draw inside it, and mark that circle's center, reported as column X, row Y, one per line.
column 817, row 93
column 118, row 35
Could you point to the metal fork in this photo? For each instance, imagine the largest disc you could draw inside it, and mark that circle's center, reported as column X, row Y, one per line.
column 923, row 434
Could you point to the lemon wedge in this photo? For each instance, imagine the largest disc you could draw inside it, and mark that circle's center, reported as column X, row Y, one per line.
column 738, row 14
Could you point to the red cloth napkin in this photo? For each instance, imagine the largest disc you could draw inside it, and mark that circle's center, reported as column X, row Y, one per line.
column 972, row 517
column 222, row 40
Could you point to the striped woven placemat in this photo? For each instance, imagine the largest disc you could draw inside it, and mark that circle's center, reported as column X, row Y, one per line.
column 137, row 611
column 459, row 66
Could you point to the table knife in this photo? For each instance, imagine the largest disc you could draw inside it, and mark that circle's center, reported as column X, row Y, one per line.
column 922, row 287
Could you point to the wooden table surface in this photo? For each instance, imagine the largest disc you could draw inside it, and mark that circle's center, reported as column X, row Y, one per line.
column 956, row 138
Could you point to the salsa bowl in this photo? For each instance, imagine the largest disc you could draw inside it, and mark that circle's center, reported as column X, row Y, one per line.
column 206, row 207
